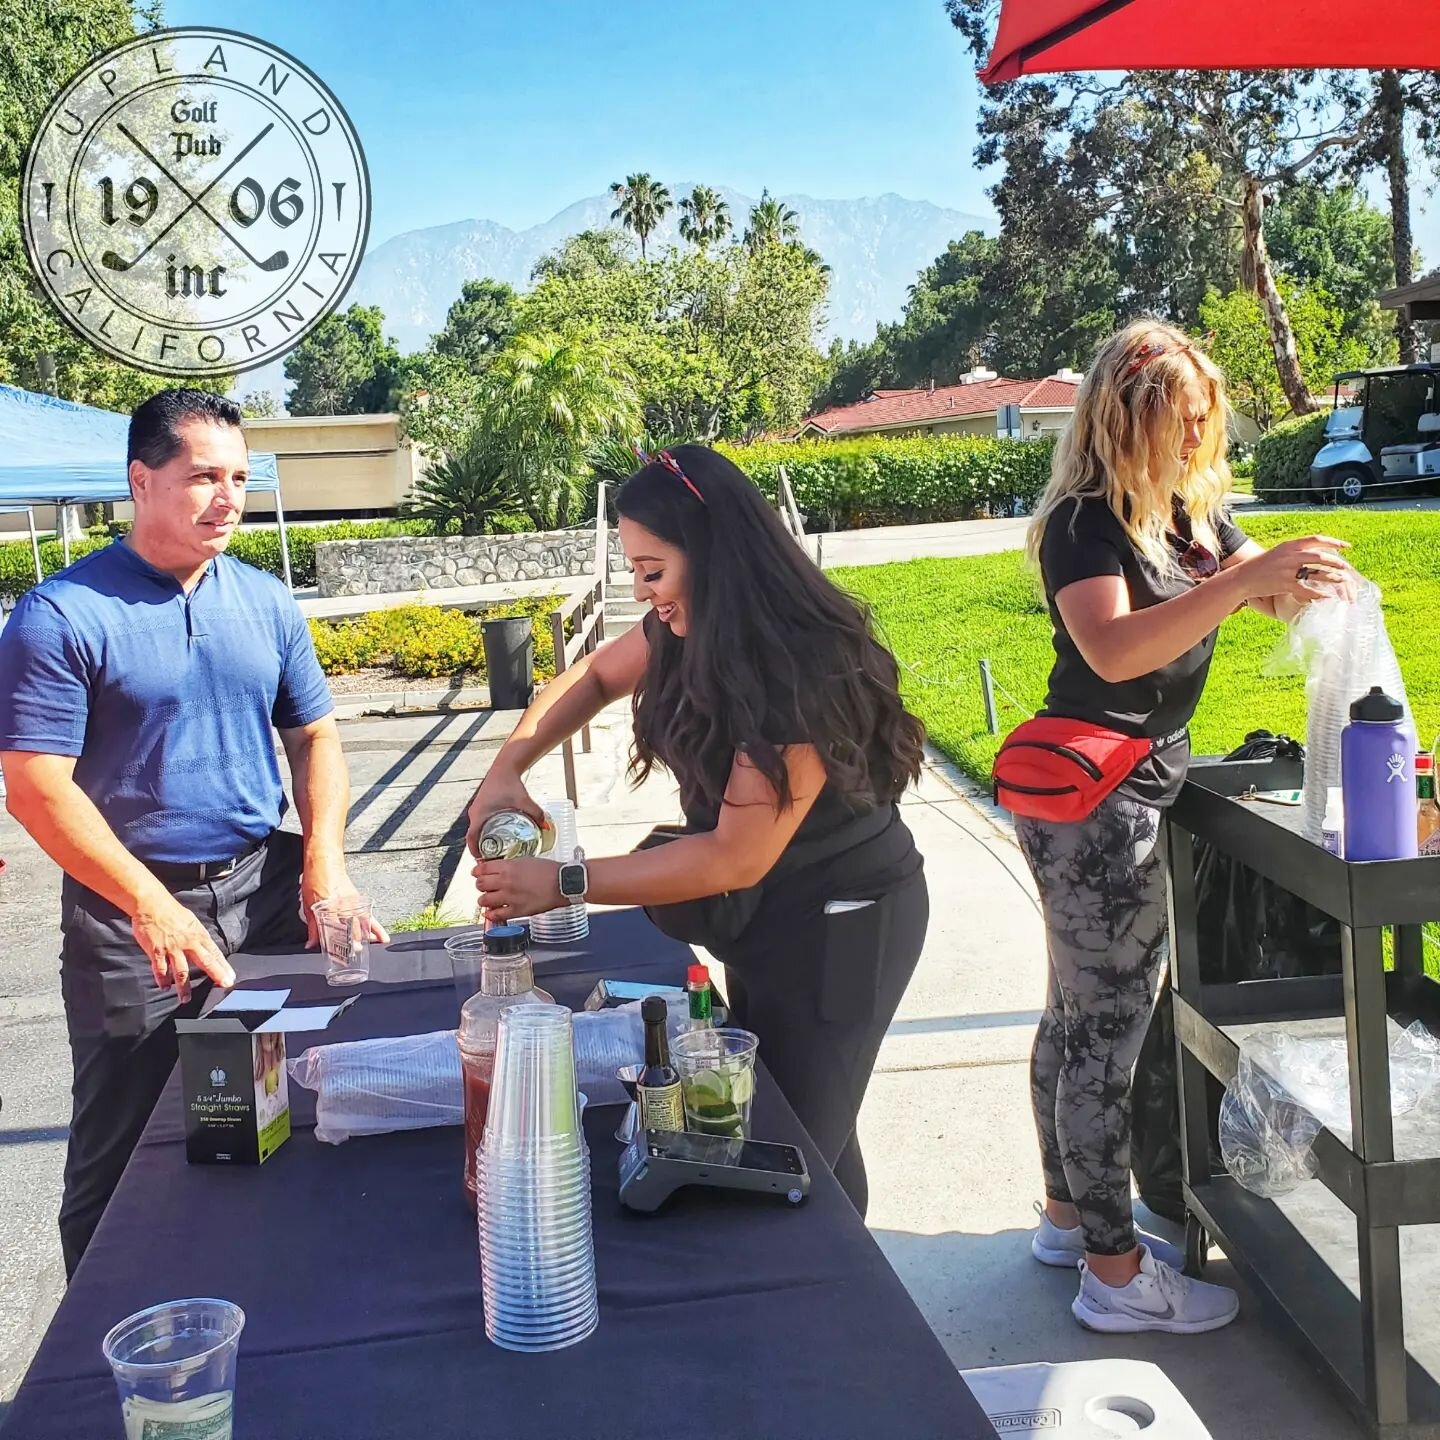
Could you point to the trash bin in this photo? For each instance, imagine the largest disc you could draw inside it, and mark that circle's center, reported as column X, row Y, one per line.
column 510, row 662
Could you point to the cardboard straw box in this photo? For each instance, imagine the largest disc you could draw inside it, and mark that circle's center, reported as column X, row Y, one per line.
column 232, row 1074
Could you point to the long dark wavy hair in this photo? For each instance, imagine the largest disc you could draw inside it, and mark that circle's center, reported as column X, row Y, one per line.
column 774, row 653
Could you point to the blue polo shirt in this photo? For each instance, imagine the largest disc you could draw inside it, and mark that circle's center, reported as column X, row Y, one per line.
column 166, row 699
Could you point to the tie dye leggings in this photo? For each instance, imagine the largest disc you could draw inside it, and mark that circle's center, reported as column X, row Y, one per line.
column 1102, row 892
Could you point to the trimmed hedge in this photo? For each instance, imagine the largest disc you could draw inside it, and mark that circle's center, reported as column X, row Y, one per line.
column 424, row 641
column 260, row 548
column 889, row 480
column 1283, row 456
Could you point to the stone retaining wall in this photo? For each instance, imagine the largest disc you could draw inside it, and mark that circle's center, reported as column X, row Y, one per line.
column 392, row 566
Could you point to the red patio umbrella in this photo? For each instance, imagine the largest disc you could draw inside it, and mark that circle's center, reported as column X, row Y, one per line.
column 1042, row 36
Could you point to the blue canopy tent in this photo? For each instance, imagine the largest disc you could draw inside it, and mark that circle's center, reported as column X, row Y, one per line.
column 54, row 452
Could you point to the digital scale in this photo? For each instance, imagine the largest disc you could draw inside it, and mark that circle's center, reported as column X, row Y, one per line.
column 657, row 1163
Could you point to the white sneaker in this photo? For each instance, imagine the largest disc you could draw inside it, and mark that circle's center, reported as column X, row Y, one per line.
column 1065, row 1249
column 1158, row 1298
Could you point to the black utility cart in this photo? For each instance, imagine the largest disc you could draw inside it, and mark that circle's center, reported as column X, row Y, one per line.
column 1330, row 1257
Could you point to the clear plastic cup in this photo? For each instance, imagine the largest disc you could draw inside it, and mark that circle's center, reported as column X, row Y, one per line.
column 569, row 923
column 508, row 1340
column 467, row 960
column 174, row 1366
column 717, row 1079
column 537, row 1253
column 345, row 938
column 532, row 1095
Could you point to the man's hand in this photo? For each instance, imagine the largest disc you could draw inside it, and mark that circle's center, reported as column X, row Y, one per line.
column 174, row 940
column 324, row 884
column 518, row 887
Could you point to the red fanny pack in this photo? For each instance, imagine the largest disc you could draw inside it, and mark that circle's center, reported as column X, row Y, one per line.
column 1052, row 768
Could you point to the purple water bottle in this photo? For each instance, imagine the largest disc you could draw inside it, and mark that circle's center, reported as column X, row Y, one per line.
column 1377, row 775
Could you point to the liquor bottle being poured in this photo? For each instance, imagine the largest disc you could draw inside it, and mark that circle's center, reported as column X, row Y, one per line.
column 513, row 835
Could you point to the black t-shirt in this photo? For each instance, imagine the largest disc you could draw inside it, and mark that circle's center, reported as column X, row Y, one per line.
column 888, row 863
column 1154, row 705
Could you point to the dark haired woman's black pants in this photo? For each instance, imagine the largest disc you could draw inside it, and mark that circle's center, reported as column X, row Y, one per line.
column 820, row 991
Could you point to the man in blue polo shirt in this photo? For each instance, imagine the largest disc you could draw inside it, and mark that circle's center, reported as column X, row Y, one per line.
column 138, row 689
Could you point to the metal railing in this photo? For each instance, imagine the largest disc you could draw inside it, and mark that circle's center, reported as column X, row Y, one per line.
column 602, row 542
column 584, row 610
column 790, row 514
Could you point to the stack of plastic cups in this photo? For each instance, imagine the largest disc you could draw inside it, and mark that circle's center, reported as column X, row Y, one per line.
column 537, row 1251
column 571, row 922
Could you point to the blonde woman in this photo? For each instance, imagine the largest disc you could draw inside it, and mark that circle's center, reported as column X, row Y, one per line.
column 1141, row 563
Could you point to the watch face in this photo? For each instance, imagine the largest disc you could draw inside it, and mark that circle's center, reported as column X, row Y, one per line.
column 572, row 881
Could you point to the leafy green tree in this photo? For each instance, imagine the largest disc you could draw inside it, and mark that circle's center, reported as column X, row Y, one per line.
column 466, row 489
column 721, row 343
column 640, row 205
column 478, row 324
column 855, row 368
column 1332, row 237
column 44, row 45
column 614, row 460
column 549, row 399
column 440, row 401
column 1406, row 110
column 1241, row 346
column 258, row 405
column 582, row 256
column 704, row 218
column 345, row 366
column 1151, row 153
column 772, row 222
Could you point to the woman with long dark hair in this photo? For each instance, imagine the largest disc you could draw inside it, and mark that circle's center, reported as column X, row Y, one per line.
column 760, row 686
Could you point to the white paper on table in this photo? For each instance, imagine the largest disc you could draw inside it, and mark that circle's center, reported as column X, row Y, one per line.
column 250, row 1000
column 303, row 1017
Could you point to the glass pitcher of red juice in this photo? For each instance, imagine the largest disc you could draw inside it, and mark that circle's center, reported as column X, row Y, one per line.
column 507, row 977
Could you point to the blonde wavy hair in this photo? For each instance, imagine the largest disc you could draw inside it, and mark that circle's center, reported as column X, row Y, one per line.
column 1123, row 443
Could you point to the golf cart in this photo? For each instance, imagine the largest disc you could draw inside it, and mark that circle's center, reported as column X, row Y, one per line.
column 1384, row 430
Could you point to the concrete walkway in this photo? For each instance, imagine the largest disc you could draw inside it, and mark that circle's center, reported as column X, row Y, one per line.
column 888, row 543
column 946, row 1127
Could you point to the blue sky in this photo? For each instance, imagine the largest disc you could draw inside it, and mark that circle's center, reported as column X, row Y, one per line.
column 509, row 110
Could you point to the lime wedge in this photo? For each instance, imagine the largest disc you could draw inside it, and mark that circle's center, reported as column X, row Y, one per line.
column 706, row 1088
column 742, row 1086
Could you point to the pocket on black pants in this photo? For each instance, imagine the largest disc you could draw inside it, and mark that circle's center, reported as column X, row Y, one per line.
column 852, row 959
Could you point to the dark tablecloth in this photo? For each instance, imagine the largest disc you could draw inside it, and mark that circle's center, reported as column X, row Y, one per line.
column 356, row 1265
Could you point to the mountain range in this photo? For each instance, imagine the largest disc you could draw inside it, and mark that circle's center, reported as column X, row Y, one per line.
column 874, row 246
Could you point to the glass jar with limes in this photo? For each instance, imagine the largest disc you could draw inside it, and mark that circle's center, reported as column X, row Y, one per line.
column 717, row 1079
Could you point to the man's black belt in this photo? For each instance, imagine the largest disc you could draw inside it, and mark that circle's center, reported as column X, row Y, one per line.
column 195, row 872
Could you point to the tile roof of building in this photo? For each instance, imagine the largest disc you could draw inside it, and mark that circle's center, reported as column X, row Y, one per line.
column 885, row 408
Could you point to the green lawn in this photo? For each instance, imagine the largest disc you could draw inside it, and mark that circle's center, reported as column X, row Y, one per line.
column 942, row 616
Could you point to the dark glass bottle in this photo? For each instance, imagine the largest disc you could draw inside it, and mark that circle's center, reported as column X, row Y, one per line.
column 658, row 1091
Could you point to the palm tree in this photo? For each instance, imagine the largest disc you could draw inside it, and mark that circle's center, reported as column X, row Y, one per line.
column 640, row 205
column 771, row 222
column 705, row 217
column 549, row 400
column 815, row 258
column 614, row 460
column 470, row 486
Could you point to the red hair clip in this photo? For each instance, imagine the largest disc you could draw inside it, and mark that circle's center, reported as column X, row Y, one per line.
column 1152, row 350
column 673, row 466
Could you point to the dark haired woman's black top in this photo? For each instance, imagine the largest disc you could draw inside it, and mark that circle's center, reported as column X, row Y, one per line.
column 1156, row 705
column 876, row 864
